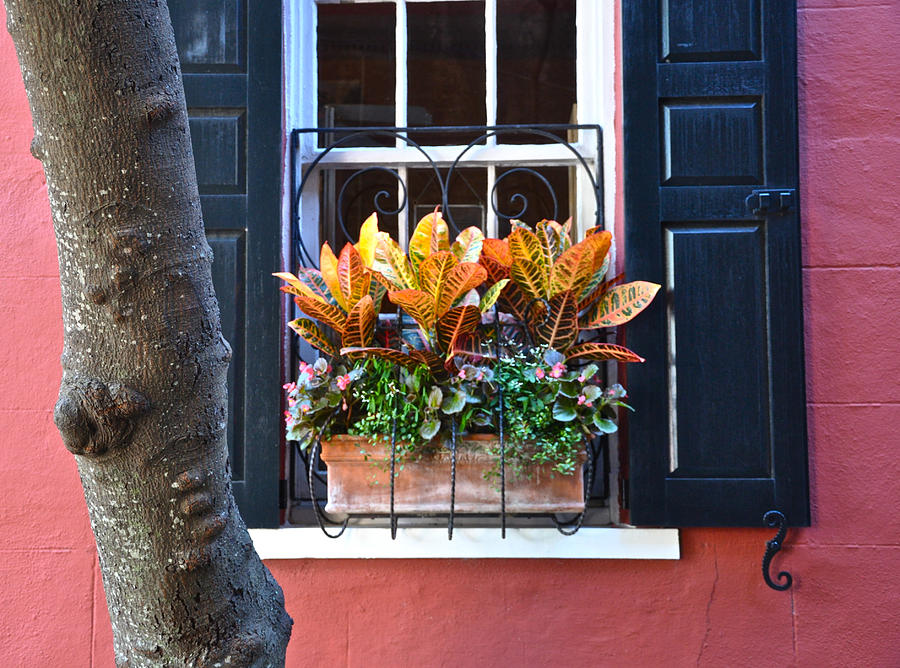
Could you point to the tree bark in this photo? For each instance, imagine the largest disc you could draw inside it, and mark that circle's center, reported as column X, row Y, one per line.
column 142, row 402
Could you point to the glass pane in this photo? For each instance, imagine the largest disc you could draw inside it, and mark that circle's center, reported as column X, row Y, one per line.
column 446, row 66
column 466, row 197
column 350, row 196
column 535, row 62
column 532, row 194
column 356, row 53
column 207, row 33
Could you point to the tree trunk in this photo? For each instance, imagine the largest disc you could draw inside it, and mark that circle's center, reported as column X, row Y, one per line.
column 142, row 402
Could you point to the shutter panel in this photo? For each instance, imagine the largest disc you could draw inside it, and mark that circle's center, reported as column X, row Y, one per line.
column 230, row 52
column 719, row 435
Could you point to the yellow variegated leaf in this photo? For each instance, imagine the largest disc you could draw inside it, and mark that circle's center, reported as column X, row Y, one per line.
column 360, row 325
column 621, row 304
column 497, row 249
column 328, row 265
column 295, row 286
column 602, row 351
column 524, row 245
column 460, row 280
column 556, row 327
column 368, row 240
column 434, row 271
column 431, row 235
column 573, row 270
column 467, row 247
column 530, row 277
column 310, row 332
column 418, row 304
column 391, row 263
column 549, row 241
column 491, row 295
column 329, row 314
column 355, row 279
column 456, row 321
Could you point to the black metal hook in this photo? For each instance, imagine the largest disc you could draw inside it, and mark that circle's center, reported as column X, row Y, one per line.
column 775, row 518
column 320, row 515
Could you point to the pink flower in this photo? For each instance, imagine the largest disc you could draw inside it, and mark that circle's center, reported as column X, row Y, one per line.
column 539, row 373
column 588, row 404
column 290, row 387
column 558, row 370
column 581, row 399
column 343, row 381
column 479, row 376
column 461, row 374
column 288, row 418
column 304, row 407
column 292, row 402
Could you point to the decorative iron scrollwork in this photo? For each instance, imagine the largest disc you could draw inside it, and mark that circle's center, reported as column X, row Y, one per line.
column 775, row 518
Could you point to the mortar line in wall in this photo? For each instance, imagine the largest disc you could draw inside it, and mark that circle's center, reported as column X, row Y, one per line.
column 855, row 6
column 794, row 627
column 852, row 403
column 857, row 267
column 855, row 546
column 93, row 607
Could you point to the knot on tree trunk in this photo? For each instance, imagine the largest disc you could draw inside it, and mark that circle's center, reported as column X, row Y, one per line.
column 94, row 417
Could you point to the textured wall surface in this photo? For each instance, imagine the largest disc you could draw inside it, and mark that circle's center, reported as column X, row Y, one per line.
column 710, row 608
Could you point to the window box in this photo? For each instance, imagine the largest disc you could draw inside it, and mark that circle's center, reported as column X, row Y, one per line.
column 359, row 481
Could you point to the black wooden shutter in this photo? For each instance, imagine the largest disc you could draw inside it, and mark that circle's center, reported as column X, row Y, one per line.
column 719, row 436
column 230, row 52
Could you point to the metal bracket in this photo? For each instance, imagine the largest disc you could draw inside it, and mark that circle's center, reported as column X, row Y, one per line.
column 774, row 518
column 768, row 202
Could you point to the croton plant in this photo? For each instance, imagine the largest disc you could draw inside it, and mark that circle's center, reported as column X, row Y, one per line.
column 466, row 325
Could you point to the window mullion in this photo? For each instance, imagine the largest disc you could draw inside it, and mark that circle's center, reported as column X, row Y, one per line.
column 490, row 104
column 401, row 116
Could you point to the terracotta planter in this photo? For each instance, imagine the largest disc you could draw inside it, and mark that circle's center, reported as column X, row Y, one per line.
column 357, row 486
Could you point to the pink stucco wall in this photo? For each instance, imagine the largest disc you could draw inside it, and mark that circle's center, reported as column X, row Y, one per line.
column 709, row 608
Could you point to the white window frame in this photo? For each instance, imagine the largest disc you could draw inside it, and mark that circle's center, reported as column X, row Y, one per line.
column 595, row 83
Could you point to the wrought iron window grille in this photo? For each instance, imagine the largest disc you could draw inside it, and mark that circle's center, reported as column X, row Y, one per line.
column 306, row 161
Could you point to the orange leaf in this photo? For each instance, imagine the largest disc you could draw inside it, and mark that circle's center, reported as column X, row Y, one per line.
column 395, row 356
column 497, row 249
column 353, row 276
column 558, row 327
column 495, row 270
column 327, row 313
column 434, row 363
column 462, row 278
column 458, row 320
column 360, row 326
column 621, row 304
column 417, row 303
column 602, row 351
column 474, row 344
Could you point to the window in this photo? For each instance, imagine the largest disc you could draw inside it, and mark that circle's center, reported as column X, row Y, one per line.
column 711, row 202
column 469, row 64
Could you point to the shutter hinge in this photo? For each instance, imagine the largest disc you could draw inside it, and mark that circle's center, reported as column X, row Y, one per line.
column 769, row 202
column 624, row 497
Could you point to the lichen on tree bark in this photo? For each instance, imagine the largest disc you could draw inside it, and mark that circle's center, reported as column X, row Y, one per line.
column 142, row 400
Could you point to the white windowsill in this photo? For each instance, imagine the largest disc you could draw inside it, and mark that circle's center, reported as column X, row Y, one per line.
column 467, row 543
